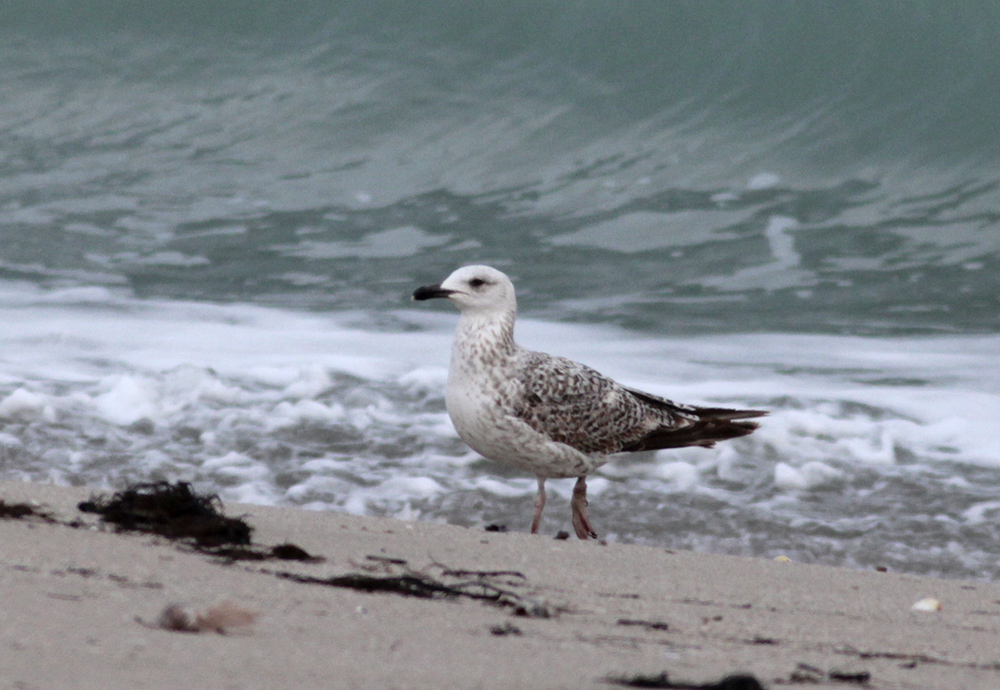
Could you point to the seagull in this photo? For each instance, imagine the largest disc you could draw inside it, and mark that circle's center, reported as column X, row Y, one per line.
column 548, row 415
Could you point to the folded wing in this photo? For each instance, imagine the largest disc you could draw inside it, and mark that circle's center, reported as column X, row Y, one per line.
column 573, row 404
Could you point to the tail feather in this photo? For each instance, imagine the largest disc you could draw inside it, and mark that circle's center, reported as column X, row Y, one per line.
column 721, row 413
column 704, row 425
column 704, row 433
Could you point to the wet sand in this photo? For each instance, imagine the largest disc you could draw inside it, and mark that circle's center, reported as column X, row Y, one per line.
column 80, row 607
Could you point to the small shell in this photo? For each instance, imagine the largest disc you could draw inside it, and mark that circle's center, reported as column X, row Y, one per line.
column 178, row 617
column 222, row 618
column 927, row 604
column 783, row 559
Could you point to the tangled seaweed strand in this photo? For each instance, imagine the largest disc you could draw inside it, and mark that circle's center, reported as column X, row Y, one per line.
column 661, row 680
column 422, row 585
column 174, row 511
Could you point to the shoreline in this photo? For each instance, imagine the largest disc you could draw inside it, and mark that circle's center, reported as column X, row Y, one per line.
column 81, row 605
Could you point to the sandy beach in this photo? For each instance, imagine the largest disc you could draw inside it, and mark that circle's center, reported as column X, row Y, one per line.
column 80, row 607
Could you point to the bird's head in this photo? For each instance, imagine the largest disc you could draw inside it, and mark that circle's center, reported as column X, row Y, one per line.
column 474, row 289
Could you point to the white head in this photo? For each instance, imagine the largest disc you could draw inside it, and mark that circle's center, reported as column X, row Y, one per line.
column 474, row 289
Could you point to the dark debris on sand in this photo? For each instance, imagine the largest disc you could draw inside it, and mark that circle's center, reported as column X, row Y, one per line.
column 19, row 511
column 176, row 511
column 661, row 680
column 648, row 625
column 394, row 576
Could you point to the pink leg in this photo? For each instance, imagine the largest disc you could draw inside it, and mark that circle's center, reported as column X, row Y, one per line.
column 581, row 523
column 539, row 504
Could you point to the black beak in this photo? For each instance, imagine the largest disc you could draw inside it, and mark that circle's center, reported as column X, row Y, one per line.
column 430, row 292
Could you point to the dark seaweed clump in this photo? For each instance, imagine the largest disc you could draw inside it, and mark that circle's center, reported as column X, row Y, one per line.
column 661, row 680
column 18, row 511
column 172, row 510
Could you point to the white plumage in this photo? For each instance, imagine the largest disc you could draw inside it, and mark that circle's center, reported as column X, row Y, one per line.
column 549, row 415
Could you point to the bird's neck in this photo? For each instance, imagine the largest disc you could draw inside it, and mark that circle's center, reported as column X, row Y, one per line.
column 482, row 338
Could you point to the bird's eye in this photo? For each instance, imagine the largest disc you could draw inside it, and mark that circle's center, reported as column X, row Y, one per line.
column 477, row 282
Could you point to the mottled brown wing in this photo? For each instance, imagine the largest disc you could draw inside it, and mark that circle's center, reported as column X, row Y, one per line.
column 573, row 404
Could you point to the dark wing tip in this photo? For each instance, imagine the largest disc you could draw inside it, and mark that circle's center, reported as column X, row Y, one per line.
column 720, row 413
column 724, row 413
column 703, row 433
